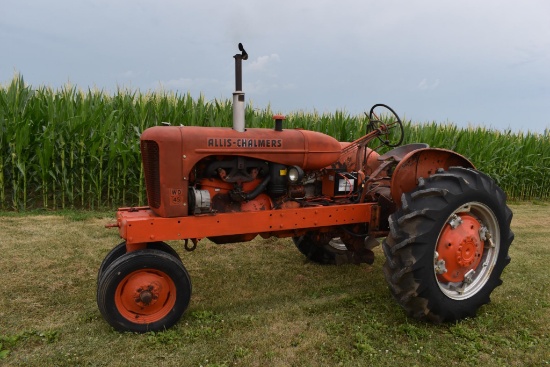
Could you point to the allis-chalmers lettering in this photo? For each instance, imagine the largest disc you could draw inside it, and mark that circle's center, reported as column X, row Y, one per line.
column 244, row 143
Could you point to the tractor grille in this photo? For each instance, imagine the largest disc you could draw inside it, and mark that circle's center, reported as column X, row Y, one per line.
column 150, row 157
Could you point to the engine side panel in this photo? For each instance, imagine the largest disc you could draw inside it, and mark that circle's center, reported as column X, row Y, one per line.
column 171, row 153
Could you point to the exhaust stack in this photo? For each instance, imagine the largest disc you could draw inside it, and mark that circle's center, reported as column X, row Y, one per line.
column 238, row 95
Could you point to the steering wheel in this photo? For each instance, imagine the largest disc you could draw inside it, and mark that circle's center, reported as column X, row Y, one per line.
column 384, row 119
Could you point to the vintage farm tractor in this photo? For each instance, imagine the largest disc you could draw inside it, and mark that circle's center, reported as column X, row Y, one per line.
column 446, row 225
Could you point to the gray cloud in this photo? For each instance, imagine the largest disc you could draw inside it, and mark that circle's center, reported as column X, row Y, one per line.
column 465, row 62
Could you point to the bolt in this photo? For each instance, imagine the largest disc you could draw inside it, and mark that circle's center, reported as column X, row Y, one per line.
column 469, row 277
column 455, row 221
column 484, row 233
column 440, row 267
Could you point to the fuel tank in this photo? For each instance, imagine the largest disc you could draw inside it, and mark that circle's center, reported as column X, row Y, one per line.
column 169, row 153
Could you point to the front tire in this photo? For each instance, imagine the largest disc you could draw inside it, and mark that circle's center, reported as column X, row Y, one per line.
column 120, row 250
column 448, row 245
column 144, row 290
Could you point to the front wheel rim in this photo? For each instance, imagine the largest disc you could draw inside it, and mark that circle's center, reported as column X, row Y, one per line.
column 145, row 296
column 466, row 251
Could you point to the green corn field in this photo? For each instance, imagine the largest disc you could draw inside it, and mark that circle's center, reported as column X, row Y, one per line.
column 70, row 148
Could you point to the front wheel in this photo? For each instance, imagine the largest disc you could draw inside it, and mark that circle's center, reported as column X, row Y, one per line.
column 448, row 245
column 144, row 290
column 120, row 250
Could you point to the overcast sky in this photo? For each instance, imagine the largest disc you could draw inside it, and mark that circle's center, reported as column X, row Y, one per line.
column 478, row 62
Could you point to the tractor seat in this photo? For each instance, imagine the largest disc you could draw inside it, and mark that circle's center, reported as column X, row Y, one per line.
column 398, row 153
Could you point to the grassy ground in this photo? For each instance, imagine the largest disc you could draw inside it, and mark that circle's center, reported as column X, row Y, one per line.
column 258, row 304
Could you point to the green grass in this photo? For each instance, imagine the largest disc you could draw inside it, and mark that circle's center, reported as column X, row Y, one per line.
column 70, row 148
column 257, row 304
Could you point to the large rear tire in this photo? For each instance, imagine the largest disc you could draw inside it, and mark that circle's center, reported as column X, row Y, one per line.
column 448, row 245
column 144, row 290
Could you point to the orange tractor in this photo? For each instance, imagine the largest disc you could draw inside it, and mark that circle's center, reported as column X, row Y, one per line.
column 446, row 226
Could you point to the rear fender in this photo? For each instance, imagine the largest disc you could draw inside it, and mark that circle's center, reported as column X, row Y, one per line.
column 422, row 163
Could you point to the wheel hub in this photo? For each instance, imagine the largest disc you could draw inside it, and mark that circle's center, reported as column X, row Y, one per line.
column 467, row 251
column 144, row 294
column 147, row 296
column 460, row 248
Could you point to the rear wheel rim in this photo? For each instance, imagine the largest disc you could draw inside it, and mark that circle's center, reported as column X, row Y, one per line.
column 466, row 251
column 145, row 296
column 337, row 244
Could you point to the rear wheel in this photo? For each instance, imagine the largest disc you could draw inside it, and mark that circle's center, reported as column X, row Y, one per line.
column 144, row 290
column 448, row 245
column 321, row 248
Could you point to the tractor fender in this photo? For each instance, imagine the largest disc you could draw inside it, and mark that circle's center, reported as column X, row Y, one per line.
column 422, row 163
